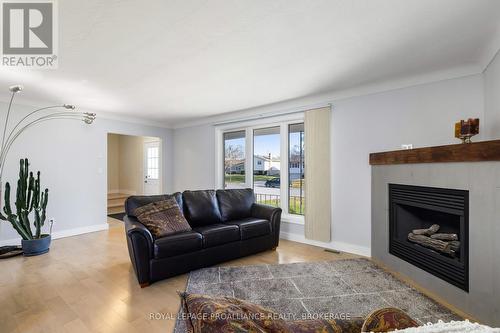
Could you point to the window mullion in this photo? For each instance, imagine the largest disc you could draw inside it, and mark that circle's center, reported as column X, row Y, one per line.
column 249, row 157
column 284, row 167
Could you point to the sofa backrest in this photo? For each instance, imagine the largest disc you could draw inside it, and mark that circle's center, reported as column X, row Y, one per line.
column 135, row 201
column 235, row 203
column 201, row 208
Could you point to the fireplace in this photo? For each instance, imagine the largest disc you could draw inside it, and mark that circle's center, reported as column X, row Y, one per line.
column 428, row 227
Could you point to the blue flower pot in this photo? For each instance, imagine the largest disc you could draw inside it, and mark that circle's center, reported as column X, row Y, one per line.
column 35, row 247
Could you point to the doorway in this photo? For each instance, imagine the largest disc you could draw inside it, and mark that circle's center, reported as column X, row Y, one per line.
column 134, row 168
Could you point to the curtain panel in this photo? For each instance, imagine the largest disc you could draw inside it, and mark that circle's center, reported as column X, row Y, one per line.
column 317, row 215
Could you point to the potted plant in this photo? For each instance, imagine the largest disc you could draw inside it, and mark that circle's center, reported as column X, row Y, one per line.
column 29, row 199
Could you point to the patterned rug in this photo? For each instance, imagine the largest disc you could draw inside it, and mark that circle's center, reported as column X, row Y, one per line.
column 353, row 286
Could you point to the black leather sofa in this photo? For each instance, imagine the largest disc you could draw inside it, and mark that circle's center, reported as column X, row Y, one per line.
column 227, row 224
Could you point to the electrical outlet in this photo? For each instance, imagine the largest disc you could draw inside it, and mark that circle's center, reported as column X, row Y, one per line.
column 407, row 146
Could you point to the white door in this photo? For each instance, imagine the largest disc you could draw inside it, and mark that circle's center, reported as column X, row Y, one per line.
column 152, row 168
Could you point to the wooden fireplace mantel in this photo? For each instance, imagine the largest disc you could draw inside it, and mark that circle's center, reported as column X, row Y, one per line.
column 471, row 152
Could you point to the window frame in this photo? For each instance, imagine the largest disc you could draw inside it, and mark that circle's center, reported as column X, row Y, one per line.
column 224, row 156
column 249, row 126
column 150, row 159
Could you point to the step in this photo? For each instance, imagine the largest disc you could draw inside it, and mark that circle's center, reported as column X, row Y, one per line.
column 116, row 200
column 116, row 210
column 116, row 204
column 112, row 196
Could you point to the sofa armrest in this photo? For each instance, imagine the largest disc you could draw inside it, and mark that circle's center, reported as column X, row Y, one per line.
column 140, row 248
column 270, row 213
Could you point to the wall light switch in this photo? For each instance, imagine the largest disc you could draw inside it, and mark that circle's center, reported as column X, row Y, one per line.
column 407, row 146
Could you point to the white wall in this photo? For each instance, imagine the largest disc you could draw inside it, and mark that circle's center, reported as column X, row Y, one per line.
column 492, row 98
column 72, row 159
column 422, row 115
column 194, row 158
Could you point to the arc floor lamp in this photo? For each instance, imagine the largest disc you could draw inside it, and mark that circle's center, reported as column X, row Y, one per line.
column 65, row 111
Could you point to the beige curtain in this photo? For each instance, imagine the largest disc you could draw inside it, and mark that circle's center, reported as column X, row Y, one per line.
column 317, row 174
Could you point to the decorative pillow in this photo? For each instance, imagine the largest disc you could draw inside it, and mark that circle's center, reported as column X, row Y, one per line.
column 386, row 320
column 217, row 314
column 162, row 218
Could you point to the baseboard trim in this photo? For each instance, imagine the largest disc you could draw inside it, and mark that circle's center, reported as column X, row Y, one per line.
column 63, row 233
column 338, row 246
column 129, row 192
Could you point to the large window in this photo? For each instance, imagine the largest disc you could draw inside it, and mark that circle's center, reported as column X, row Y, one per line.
column 296, row 168
column 234, row 159
column 267, row 165
column 276, row 168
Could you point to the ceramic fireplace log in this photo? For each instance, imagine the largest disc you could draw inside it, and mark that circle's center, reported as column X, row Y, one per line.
column 455, row 245
column 427, row 232
column 445, row 237
column 434, row 244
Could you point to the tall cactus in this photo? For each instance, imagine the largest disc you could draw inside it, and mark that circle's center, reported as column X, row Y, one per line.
column 28, row 198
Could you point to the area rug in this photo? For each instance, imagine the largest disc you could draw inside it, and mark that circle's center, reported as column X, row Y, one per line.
column 353, row 287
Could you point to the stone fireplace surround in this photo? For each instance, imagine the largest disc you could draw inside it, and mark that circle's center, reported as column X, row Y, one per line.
column 481, row 178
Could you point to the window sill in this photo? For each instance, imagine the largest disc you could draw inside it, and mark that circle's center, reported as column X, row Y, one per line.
column 293, row 219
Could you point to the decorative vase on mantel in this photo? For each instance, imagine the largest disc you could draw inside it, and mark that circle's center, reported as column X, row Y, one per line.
column 466, row 129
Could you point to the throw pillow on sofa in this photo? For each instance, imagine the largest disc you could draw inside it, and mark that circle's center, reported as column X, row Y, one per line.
column 162, row 218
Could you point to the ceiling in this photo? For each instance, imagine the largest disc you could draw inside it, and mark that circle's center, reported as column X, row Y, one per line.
column 176, row 60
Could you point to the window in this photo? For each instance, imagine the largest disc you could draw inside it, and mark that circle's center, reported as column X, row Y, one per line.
column 296, row 169
column 276, row 168
column 234, row 159
column 152, row 155
column 267, row 165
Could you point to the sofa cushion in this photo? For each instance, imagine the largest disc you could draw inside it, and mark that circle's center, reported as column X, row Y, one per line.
column 235, row 203
column 177, row 244
column 135, row 201
column 218, row 234
column 201, row 208
column 251, row 227
column 162, row 218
